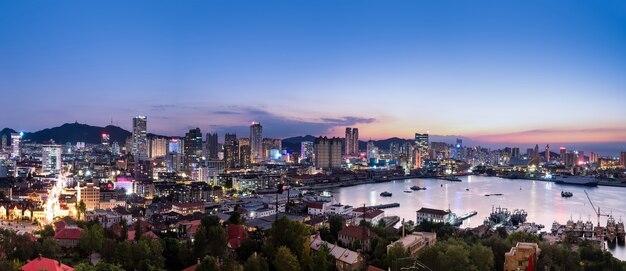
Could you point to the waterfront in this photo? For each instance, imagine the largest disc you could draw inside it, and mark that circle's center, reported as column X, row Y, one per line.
column 542, row 200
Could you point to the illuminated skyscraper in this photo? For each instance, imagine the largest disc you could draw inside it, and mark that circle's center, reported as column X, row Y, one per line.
column 51, row 158
column 192, row 150
column 158, row 147
column 16, row 140
column 4, row 142
column 244, row 153
column 622, row 159
column 211, row 143
column 563, row 154
column 372, row 150
column 140, row 138
column 271, row 145
column 352, row 141
column 547, row 153
column 306, row 150
column 174, row 145
column 231, row 150
column 328, row 152
column 256, row 142
column 422, row 144
column 593, row 158
column 105, row 139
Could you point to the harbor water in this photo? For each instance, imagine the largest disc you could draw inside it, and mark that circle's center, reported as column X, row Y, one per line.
column 541, row 200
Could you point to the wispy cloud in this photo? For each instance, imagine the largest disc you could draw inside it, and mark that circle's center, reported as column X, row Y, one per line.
column 600, row 134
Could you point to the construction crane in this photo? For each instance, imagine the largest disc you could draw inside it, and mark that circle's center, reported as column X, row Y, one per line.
column 594, row 208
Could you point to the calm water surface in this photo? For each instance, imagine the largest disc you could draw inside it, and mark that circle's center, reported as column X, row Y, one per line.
column 541, row 200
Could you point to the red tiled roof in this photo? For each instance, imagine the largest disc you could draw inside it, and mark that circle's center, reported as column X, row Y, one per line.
column 433, row 211
column 314, row 205
column 59, row 225
column 68, row 233
column 357, row 232
column 373, row 213
column 131, row 235
column 41, row 263
column 236, row 234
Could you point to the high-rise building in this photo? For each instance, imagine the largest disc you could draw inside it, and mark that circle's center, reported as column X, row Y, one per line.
column 547, row 153
column 352, row 141
column 192, row 150
column 158, row 147
column 417, row 159
column 16, row 140
column 422, row 143
column 515, row 152
column 256, row 142
column 563, row 154
column 328, row 152
column 175, row 145
column 306, row 151
column 140, row 138
column 271, row 145
column 244, row 153
column 231, row 151
column 372, row 150
column 115, row 148
column 105, row 139
column 622, row 159
column 4, row 142
column 593, row 158
column 51, row 158
column 458, row 149
column 536, row 151
column 211, row 145
column 89, row 194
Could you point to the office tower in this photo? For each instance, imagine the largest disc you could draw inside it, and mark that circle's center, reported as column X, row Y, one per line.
column 158, row 147
column 581, row 157
column 328, row 152
column 306, row 150
column 256, row 142
column 115, row 148
column 563, row 153
column 515, row 152
column 593, row 158
column 536, row 151
column 372, row 150
column 422, row 144
column 192, row 150
column 140, row 138
column 530, row 153
column 105, row 139
column 244, row 153
column 417, row 159
column 16, row 140
column 547, row 153
column 622, row 159
column 4, row 142
column 458, row 149
column 231, row 151
column 394, row 150
column 51, row 158
column 211, row 145
column 174, row 145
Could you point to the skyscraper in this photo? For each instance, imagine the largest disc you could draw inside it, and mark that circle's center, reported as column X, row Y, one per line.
column 51, row 158
column 105, row 139
column 244, row 152
column 328, row 152
column 422, row 144
column 547, row 153
column 16, row 140
column 306, row 150
column 192, row 150
column 256, row 142
column 140, row 138
column 4, row 142
column 622, row 159
column 352, row 141
column 231, row 150
column 211, row 142
column 158, row 147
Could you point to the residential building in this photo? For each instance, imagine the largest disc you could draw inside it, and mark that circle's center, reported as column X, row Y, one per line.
column 415, row 241
column 328, row 153
column 357, row 236
column 89, row 194
column 188, row 208
column 370, row 215
column 51, row 158
column 211, row 145
column 231, row 151
column 192, row 150
column 42, row 263
column 432, row 215
column 521, row 256
column 158, row 147
column 256, row 142
column 345, row 259
column 140, row 138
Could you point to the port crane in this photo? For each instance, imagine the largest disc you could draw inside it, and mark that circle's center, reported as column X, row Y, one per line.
column 594, row 208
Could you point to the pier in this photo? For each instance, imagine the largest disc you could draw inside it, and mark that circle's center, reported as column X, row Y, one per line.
column 385, row 206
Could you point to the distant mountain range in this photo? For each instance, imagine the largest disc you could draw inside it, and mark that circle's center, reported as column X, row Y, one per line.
column 74, row 132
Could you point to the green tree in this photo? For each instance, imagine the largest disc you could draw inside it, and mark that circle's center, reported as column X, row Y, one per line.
column 209, row 263
column 482, row 257
column 81, row 209
column 336, row 224
column 256, row 263
column 49, row 248
column 323, row 260
column 285, row 260
column 396, row 257
column 91, row 239
column 84, row 267
column 235, row 218
column 455, row 258
column 292, row 234
column 47, row 231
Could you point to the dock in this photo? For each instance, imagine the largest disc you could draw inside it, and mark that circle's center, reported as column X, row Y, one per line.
column 385, row 206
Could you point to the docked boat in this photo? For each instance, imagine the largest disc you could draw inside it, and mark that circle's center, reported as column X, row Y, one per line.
column 408, row 191
column 386, row 194
column 588, row 229
column 620, row 232
column 566, row 194
column 576, row 180
column 417, row 188
column 611, row 230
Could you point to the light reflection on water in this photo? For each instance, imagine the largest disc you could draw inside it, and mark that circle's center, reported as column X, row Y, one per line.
column 542, row 200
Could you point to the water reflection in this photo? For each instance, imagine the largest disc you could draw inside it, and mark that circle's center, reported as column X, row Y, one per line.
column 542, row 200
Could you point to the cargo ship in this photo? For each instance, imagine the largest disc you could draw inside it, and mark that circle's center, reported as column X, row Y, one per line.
column 576, row 180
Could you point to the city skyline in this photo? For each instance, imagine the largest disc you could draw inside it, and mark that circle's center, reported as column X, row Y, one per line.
column 539, row 75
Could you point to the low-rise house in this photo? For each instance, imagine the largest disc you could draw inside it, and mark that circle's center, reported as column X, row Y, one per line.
column 345, row 259
column 371, row 215
column 68, row 236
column 523, row 256
column 317, row 222
column 414, row 242
column 317, row 207
column 432, row 215
column 353, row 235
column 42, row 263
column 188, row 208
column 339, row 209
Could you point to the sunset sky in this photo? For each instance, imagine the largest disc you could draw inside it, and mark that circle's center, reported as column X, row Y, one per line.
column 495, row 71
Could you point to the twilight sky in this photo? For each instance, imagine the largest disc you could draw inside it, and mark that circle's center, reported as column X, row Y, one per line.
column 496, row 71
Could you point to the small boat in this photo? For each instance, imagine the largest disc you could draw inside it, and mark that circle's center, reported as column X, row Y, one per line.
column 466, row 189
column 417, row 188
column 386, row 194
column 408, row 191
column 566, row 194
column 452, row 178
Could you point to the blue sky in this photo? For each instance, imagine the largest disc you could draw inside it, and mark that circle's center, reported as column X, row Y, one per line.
column 539, row 71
